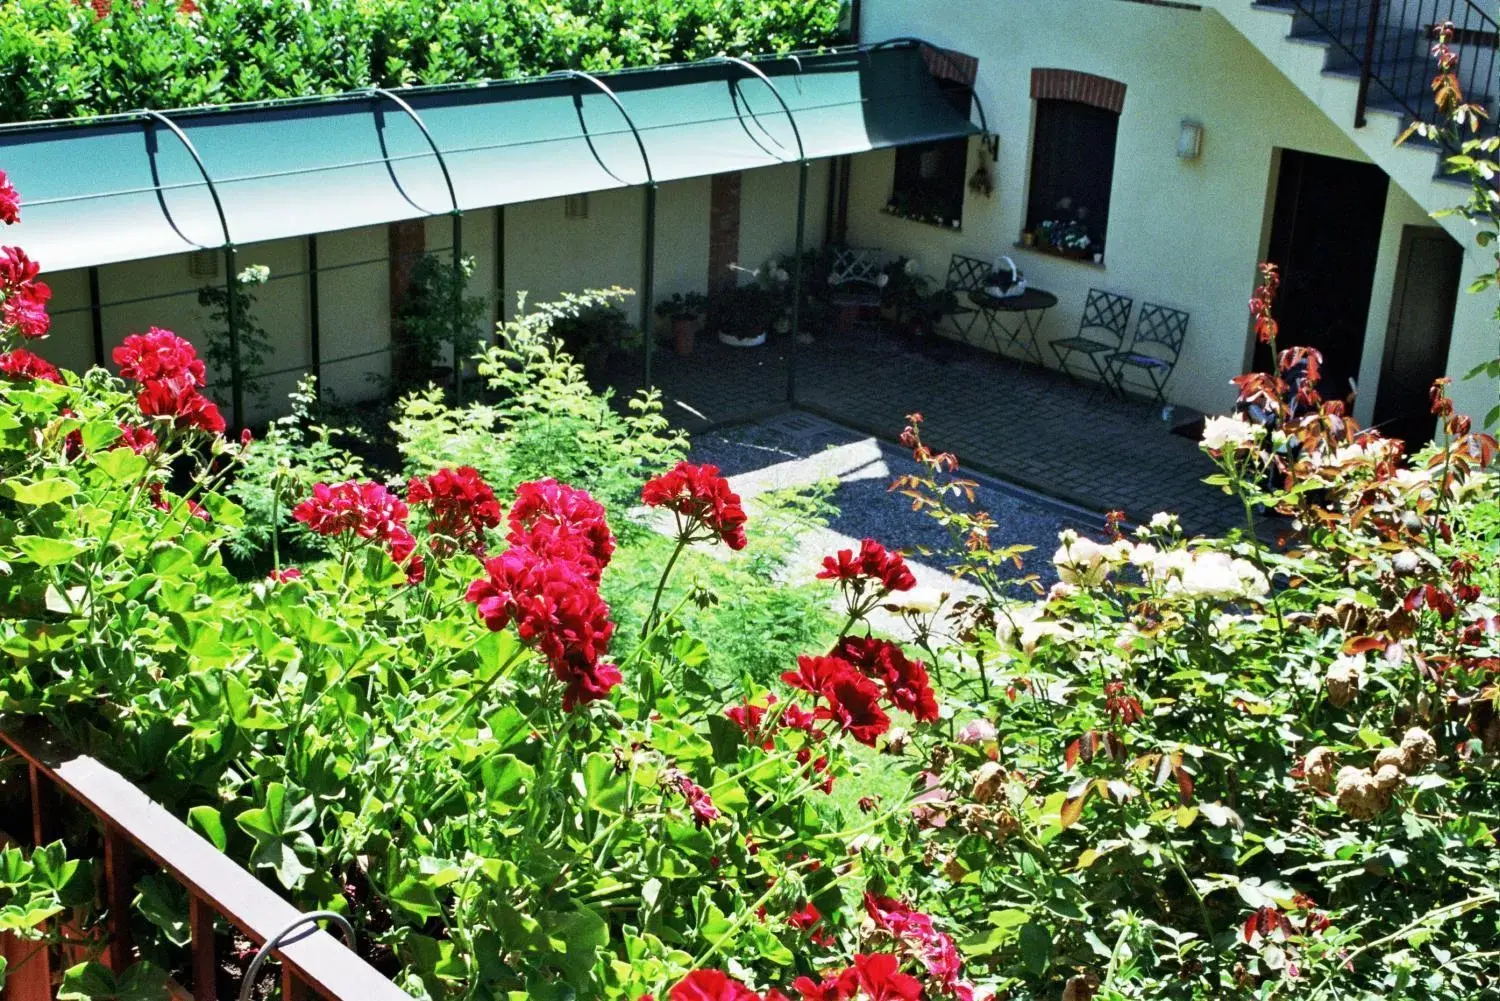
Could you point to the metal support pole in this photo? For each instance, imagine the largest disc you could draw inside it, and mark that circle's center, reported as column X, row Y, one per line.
column 803, row 169
column 314, row 316
column 500, row 264
column 1367, row 65
column 96, row 316
column 236, row 376
column 458, row 303
column 648, row 276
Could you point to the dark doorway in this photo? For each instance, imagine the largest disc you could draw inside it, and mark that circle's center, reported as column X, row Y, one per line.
column 1428, row 274
column 1325, row 235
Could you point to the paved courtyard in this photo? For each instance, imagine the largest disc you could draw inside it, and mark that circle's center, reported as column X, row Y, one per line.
column 1029, row 426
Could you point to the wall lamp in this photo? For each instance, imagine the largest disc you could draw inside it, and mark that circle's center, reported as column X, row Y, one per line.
column 1190, row 141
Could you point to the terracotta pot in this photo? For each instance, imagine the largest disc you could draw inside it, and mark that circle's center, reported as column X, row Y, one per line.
column 684, row 334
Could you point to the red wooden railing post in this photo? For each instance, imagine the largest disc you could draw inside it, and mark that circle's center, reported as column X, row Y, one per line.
column 292, row 987
column 118, row 891
column 1367, row 65
column 205, row 958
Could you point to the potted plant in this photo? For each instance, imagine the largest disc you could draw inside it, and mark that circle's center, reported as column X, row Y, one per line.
column 685, row 314
column 742, row 315
column 905, row 291
column 1067, row 234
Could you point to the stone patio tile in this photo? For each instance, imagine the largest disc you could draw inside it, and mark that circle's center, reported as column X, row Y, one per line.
column 1033, row 427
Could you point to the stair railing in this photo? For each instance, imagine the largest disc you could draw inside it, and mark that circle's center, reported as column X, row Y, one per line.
column 1390, row 42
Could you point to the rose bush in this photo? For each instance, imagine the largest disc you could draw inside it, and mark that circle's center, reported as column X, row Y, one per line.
column 1196, row 768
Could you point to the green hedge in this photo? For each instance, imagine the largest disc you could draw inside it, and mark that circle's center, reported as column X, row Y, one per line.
column 58, row 60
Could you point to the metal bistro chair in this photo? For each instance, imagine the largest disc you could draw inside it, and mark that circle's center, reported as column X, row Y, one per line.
column 855, row 281
column 1159, row 333
column 965, row 275
column 1104, row 313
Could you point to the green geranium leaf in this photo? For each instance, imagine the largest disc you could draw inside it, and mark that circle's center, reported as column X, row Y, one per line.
column 506, row 781
column 49, row 491
column 47, row 552
column 207, row 821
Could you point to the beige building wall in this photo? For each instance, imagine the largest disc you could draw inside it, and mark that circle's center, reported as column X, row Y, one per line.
column 355, row 309
column 1183, row 233
column 768, row 212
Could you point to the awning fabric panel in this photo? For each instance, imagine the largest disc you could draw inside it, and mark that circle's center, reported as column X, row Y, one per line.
column 127, row 188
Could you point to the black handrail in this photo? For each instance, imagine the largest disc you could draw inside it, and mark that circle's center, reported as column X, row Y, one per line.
column 1389, row 41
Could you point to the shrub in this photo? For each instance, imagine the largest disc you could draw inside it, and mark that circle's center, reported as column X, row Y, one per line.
column 546, row 421
column 60, row 59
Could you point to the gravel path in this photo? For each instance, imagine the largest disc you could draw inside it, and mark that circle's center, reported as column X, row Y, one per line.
column 798, row 449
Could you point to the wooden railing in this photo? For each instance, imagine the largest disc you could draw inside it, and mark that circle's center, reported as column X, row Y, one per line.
column 131, row 822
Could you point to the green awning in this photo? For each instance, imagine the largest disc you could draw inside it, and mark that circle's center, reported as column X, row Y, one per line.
column 127, row 187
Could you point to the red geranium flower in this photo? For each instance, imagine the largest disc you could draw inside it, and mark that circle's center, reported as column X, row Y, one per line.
column 908, row 686
column 906, row 681
column 16, row 269
column 26, row 309
column 878, row 977
column 794, row 717
column 814, row 673
column 698, row 799
column 160, row 356
column 22, row 364
column 368, row 510
column 10, row 202
column 283, row 576
column 827, row 989
column 558, row 611
column 711, row 985
column 557, row 520
column 706, row 508
column 187, row 407
column 896, row 917
column 804, row 917
column 403, row 551
column 462, row 506
column 160, row 502
column 137, row 437
column 873, row 563
column 854, row 703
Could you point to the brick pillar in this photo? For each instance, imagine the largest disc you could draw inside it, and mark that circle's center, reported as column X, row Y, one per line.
column 724, row 231
column 406, row 242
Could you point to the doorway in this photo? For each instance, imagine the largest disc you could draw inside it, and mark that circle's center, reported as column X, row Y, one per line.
column 1428, row 274
column 1325, row 235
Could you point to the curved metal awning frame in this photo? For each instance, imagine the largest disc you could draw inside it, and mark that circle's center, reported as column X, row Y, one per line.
column 858, row 99
column 437, row 153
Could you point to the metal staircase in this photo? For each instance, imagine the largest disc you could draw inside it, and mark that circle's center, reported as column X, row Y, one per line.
column 1386, row 46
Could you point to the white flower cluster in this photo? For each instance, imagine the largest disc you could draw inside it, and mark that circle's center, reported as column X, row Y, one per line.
column 1083, row 562
column 1200, row 574
column 1233, row 433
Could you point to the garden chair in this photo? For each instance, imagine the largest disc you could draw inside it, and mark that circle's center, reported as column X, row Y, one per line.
column 1159, row 333
column 965, row 275
column 855, row 281
column 1105, row 315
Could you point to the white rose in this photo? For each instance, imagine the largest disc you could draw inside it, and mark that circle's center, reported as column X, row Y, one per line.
column 1217, row 575
column 1220, row 433
column 1081, row 562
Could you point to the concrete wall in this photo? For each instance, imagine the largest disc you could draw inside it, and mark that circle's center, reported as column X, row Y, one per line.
column 1182, row 233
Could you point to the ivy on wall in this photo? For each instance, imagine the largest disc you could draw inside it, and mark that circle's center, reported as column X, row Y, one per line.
column 67, row 58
